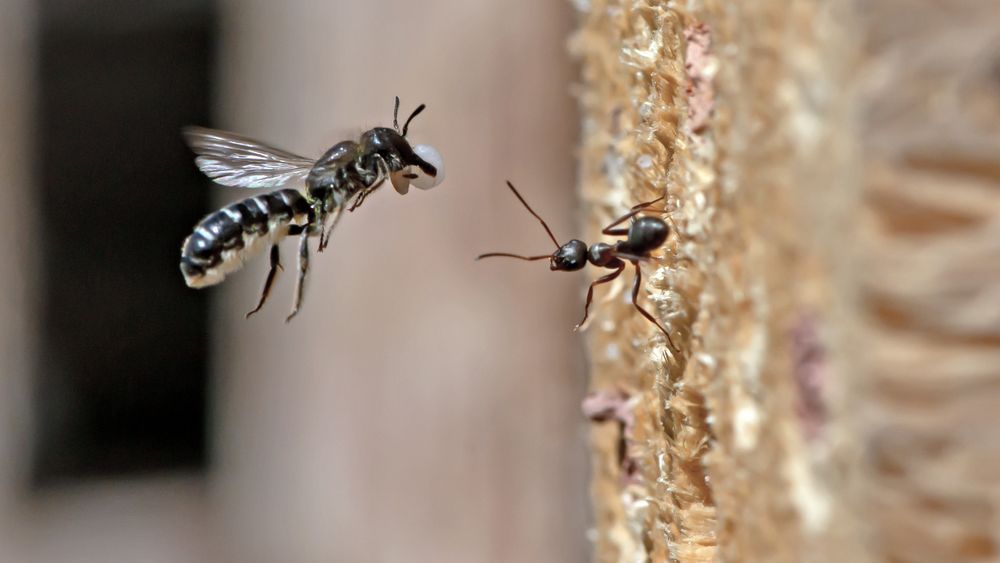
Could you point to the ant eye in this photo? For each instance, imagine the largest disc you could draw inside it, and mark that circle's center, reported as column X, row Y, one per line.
column 432, row 156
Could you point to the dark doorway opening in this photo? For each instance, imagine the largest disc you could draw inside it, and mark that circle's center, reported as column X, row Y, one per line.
column 122, row 382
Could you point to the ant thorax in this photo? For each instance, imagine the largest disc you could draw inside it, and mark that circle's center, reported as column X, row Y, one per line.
column 601, row 254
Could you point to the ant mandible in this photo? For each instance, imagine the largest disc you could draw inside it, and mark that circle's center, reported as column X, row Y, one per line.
column 644, row 235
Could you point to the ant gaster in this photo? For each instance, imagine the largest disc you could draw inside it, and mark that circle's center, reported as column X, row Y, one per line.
column 644, row 235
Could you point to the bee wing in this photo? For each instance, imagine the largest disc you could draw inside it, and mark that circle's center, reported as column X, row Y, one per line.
column 232, row 160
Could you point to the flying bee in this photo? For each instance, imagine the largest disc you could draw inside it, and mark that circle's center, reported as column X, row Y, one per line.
column 339, row 180
column 642, row 236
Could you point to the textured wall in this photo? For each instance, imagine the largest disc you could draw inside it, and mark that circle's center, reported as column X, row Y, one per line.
column 832, row 170
column 931, row 277
column 728, row 449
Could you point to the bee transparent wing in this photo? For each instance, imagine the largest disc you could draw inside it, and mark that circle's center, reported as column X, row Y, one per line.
column 232, row 160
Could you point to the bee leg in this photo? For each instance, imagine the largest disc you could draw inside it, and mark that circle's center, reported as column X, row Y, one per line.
column 320, row 219
column 383, row 173
column 643, row 312
column 271, row 274
column 324, row 236
column 590, row 292
column 359, row 200
column 300, row 284
column 365, row 193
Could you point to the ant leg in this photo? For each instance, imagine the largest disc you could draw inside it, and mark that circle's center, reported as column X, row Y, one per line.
column 303, row 270
column 645, row 313
column 636, row 209
column 632, row 257
column 590, row 292
column 275, row 266
column 648, row 203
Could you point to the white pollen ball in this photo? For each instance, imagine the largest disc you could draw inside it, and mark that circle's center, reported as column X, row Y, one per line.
column 431, row 155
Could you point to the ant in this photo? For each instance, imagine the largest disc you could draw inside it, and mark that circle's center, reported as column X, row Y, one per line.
column 644, row 235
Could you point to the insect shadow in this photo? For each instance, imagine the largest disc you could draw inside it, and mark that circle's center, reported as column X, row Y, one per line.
column 642, row 236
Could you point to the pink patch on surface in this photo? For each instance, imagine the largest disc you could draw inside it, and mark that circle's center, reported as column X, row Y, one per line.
column 700, row 90
column 601, row 406
column 809, row 367
column 605, row 406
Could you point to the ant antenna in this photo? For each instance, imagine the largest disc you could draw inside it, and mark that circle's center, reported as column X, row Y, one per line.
column 532, row 211
column 518, row 256
column 395, row 115
column 416, row 112
column 540, row 220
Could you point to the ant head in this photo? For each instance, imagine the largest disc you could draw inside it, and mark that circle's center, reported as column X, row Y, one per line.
column 570, row 257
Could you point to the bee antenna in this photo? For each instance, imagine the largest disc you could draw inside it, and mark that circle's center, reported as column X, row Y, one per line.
column 532, row 211
column 395, row 115
column 416, row 112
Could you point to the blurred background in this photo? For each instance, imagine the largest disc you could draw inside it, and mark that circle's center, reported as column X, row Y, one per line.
column 422, row 406
column 145, row 421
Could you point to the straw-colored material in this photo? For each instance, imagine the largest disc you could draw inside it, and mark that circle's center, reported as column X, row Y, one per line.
column 729, row 449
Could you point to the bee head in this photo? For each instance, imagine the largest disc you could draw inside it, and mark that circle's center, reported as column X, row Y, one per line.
column 423, row 164
column 426, row 172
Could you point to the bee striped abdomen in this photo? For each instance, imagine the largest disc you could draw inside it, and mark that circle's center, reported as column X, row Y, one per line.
column 225, row 239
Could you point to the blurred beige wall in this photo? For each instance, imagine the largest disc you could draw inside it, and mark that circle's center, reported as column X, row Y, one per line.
column 16, row 32
column 422, row 407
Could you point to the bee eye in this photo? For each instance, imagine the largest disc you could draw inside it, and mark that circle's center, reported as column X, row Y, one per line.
column 432, row 156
